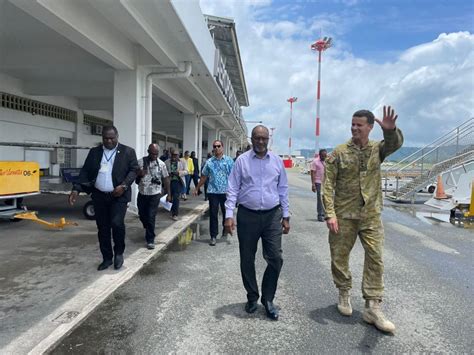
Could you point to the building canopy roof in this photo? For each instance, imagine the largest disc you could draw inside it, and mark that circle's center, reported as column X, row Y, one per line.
column 225, row 38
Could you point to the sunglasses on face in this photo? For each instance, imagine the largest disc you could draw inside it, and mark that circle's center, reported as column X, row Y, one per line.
column 216, row 146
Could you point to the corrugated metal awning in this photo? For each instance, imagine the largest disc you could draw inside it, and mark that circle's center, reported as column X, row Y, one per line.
column 225, row 38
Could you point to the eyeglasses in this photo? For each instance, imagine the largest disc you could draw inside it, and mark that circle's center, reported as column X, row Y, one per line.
column 216, row 146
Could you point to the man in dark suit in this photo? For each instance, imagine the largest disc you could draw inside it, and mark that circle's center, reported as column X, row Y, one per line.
column 108, row 172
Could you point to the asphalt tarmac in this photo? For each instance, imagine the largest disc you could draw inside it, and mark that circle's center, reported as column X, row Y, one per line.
column 49, row 280
column 191, row 298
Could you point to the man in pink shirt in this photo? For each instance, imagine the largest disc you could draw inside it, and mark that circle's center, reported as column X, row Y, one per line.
column 317, row 177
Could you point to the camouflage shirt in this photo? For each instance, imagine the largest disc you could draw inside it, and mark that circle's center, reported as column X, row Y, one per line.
column 353, row 183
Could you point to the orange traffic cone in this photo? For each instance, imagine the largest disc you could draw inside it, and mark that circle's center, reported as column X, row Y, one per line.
column 440, row 194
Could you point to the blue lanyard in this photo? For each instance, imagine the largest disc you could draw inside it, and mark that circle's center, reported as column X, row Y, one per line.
column 111, row 155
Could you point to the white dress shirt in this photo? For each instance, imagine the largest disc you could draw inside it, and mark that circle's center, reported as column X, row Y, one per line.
column 104, row 177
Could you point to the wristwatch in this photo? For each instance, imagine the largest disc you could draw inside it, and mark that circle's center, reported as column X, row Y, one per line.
column 125, row 187
column 286, row 218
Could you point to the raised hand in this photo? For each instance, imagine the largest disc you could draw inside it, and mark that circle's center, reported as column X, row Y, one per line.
column 389, row 118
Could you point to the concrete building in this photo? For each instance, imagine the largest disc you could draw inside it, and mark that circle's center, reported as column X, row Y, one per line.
column 159, row 70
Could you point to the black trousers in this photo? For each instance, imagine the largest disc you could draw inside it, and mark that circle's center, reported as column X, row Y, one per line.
column 109, row 217
column 195, row 179
column 320, row 206
column 147, row 208
column 216, row 200
column 251, row 226
column 176, row 190
column 206, row 184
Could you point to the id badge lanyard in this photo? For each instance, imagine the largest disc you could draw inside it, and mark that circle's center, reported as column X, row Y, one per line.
column 104, row 167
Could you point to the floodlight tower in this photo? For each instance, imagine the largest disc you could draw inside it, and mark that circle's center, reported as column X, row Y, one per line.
column 320, row 45
column 291, row 100
column 271, row 137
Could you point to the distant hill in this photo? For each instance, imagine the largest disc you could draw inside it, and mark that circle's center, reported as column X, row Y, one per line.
column 402, row 153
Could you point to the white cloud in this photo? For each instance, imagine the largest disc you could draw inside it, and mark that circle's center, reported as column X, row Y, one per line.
column 431, row 85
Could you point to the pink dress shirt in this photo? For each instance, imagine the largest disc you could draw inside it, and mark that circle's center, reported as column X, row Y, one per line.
column 318, row 166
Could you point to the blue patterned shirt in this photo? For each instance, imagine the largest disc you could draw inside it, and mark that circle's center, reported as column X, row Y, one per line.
column 217, row 172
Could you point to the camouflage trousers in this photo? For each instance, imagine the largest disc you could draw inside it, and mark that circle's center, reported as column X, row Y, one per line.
column 371, row 234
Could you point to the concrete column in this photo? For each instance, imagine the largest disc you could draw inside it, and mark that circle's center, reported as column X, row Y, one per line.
column 229, row 147
column 225, row 140
column 190, row 132
column 79, row 155
column 129, row 113
column 211, row 137
column 234, row 148
column 129, row 109
column 199, row 140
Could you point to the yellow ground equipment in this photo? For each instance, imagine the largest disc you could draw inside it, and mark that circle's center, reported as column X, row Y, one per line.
column 31, row 216
column 19, row 179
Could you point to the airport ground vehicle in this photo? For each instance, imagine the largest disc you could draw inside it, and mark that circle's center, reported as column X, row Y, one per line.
column 70, row 175
column 20, row 179
column 457, row 199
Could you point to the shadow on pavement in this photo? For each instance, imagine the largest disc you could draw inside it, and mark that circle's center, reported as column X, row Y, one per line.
column 237, row 310
column 371, row 338
column 371, row 335
column 330, row 313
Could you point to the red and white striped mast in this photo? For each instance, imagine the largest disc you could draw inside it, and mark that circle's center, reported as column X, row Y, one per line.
column 271, row 137
column 291, row 100
column 320, row 45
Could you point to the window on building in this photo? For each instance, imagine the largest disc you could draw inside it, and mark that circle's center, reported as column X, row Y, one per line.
column 67, row 152
column 18, row 103
column 96, row 124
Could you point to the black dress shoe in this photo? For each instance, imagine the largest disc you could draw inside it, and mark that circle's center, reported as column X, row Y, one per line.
column 251, row 306
column 118, row 261
column 104, row 265
column 270, row 309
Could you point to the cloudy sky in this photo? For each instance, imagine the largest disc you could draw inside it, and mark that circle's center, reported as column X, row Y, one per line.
column 417, row 55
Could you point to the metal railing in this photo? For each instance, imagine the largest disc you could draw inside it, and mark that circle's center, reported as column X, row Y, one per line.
column 453, row 148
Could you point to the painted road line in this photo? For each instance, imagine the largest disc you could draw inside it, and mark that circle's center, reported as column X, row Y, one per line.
column 423, row 238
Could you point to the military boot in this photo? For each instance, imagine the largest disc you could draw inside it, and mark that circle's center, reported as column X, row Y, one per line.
column 373, row 315
column 344, row 305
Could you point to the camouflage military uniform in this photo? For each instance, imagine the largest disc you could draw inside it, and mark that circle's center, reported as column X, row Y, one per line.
column 353, row 194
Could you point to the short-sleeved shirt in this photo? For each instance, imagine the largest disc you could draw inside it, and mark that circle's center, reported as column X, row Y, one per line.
column 218, row 171
column 318, row 166
column 156, row 171
column 174, row 169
